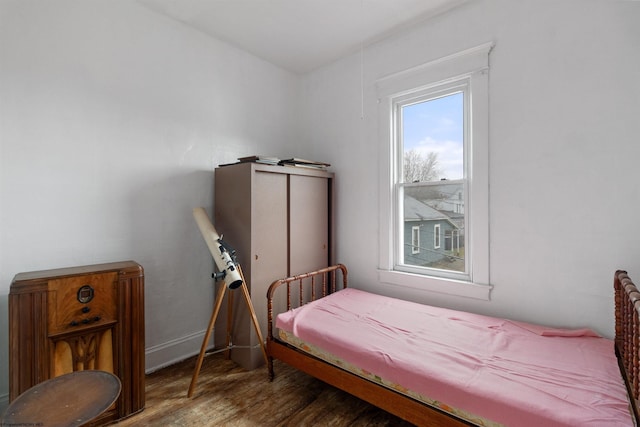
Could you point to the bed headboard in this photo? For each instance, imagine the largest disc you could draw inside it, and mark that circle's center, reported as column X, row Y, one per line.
column 310, row 286
column 627, row 339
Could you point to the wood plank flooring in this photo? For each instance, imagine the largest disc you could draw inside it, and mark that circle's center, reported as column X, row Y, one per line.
column 228, row 395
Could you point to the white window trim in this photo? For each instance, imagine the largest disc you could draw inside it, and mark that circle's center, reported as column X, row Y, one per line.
column 415, row 231
column 472, row 64
column 436, row 236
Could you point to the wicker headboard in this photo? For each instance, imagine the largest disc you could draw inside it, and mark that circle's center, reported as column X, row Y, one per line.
column 627, row 339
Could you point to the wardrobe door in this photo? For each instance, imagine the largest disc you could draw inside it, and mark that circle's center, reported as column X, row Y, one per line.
column 308, row 223
column 233, row 221
column 269, row 233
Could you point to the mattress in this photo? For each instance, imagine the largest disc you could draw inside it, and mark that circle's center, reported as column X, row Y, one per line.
column 488, row 370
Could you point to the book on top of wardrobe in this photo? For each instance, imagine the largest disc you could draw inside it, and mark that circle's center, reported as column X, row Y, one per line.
column 294, row 161
column 268, row 160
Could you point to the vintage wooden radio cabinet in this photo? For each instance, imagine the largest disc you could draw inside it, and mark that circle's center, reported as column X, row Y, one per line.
column 79, row 318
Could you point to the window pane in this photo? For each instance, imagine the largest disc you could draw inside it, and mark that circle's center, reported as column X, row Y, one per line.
column 434, row 186
column 433, row 139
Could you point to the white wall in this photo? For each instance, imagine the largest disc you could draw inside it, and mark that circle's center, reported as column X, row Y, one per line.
column 112, row 121
column 564, row 150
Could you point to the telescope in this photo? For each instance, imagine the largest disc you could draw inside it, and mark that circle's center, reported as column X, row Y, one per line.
column 223, row 255
column 231, row 273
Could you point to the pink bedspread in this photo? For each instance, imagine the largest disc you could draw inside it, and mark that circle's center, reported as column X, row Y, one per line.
column 512, row 373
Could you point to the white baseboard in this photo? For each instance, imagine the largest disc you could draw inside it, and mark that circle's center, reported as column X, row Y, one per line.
column 174, row 351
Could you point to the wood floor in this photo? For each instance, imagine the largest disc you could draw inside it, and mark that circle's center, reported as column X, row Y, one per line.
column 228, row 395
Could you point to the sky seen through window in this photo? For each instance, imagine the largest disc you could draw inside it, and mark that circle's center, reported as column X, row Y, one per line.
column 437, row 126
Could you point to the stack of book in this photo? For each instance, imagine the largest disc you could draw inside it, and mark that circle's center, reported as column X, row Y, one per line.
column 294, row 161
column 304, row 163
column 267, row 160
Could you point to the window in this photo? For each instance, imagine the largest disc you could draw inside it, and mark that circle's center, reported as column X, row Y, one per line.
column 415, row 239
column 431, row 141
column 434, row 158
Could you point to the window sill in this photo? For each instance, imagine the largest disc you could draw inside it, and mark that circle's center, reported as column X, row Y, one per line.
column 436, row 284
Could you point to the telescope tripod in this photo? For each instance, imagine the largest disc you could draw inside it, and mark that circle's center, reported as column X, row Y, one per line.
column 214, row 315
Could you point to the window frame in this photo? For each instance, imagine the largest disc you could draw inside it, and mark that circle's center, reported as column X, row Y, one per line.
column 470, row 66
column 427, row 94
column 436, row 236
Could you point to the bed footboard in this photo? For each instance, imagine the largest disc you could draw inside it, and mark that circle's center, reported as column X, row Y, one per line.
column 627, row 334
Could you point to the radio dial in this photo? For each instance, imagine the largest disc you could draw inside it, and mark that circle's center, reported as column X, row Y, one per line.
column 85, row 294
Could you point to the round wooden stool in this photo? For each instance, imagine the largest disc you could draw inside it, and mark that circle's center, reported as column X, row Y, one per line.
column 68, row 400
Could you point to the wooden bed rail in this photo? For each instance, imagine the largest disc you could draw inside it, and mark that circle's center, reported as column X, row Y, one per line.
column 627, row 333
column 329, row 284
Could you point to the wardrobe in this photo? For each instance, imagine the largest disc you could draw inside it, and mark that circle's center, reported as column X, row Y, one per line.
column 279, row 220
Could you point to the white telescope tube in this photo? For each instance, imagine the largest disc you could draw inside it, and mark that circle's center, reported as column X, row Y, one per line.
column 220, row 255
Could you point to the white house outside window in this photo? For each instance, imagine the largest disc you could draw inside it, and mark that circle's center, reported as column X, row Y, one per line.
column 434, row 154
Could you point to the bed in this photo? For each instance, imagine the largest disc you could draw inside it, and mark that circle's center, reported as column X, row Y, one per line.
column 452, row 368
